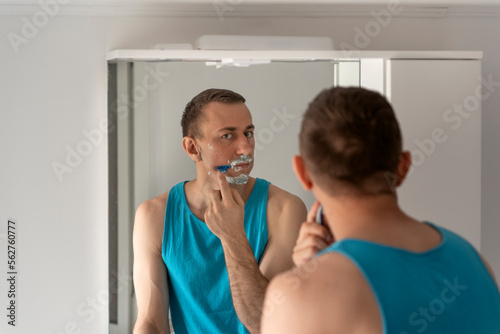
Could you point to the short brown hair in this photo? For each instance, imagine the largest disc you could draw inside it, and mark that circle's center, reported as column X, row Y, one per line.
column 193, row 115
column 349, row 135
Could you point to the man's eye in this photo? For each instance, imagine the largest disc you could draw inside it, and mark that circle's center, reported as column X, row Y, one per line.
column 227, row 136
column 249, row 134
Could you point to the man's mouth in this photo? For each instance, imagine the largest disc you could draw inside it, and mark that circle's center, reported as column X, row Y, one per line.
column 241, row 166
column 243, row 160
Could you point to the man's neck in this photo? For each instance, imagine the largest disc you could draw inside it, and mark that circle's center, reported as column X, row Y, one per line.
column 364, row 216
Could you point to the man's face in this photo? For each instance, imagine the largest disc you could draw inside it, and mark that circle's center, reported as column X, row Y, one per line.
column 227, row 140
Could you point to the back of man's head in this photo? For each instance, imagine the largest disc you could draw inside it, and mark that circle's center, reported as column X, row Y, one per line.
column 193, row 112
column 350, row 139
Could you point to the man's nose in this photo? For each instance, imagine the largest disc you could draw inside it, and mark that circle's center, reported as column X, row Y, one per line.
column 245, row 145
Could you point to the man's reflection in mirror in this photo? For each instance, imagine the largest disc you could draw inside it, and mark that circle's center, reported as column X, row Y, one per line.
column 207, row 248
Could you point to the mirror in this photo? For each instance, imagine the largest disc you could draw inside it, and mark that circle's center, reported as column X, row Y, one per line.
column 276, row 93
column 146, row 158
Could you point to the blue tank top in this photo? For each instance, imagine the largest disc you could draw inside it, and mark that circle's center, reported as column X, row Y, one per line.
column 200, row 297
column 447, row 289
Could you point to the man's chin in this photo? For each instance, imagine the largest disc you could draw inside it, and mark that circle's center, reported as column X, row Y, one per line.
column 238, row 180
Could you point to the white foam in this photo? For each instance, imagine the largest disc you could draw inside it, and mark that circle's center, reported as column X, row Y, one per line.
column 240, row 179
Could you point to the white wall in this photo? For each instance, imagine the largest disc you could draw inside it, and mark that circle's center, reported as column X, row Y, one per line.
column 54, row 88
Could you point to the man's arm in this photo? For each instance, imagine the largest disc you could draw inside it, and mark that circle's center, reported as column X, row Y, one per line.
column 150, row 274
column 248, row 284
column 247, row 281
column 286, row 212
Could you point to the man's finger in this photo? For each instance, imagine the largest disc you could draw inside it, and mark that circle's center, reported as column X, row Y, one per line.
column 215, row 197
column 237, row 197
column 225, row 189
column 317, row 239
column 324, row 228
column 301, row 256
column 308, row 228
column 311, row 215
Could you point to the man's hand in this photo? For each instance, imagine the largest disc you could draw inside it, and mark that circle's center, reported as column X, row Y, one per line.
column 312, row 238
column 225, row 214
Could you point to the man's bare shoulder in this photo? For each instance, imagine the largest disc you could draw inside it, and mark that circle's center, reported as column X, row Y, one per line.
column 280, row 199
column 149, row 220
column 333, row 271
column 285, row 213
column 153, row 207
column 330, row 292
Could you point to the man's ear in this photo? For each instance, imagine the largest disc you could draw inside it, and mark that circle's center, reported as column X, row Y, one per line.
column 300, row 171
column 403, row 167
column 191, row 148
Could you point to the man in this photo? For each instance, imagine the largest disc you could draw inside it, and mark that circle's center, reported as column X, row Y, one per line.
column 208, row 247
column 386, row 272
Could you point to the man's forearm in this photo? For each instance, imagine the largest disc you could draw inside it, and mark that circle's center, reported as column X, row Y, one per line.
column 248, row 285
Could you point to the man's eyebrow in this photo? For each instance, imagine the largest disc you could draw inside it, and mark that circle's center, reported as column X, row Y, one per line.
column 227, row 128
column 232, row 128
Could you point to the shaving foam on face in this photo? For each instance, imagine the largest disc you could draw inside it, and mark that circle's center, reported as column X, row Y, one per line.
column 240, row 179
column 237, row 180
column 242, row 159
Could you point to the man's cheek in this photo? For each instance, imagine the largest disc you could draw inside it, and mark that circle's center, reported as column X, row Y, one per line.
column 215, row 158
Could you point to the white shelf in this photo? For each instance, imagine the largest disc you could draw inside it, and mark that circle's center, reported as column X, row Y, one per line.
column 283, row 55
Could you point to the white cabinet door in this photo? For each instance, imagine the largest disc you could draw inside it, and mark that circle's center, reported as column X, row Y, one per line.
column 438, row 104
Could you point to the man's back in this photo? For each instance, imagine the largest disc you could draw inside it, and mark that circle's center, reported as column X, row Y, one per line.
column 386, row 272
column 368, row 287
